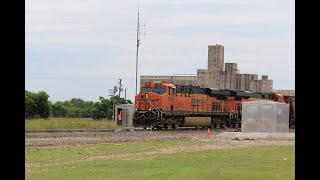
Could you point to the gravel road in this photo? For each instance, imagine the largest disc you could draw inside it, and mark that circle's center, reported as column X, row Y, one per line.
column 64, row 139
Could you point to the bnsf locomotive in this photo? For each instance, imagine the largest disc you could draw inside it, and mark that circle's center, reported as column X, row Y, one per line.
column 162, row 105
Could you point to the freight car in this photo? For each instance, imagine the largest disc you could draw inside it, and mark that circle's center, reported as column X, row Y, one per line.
column 162, row 105
column 291, row 101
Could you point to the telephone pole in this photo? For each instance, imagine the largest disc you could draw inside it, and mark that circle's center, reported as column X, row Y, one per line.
column 112, row 92
column 138, row 42
column 125, row 93
column 120, row 87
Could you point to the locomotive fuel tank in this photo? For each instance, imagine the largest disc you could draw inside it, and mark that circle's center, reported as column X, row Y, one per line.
column 196, row 121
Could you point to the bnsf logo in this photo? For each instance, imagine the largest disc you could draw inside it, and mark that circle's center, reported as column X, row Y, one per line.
column 198, row 102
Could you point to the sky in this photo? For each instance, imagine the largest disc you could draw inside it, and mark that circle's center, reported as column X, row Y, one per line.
column 81, row 48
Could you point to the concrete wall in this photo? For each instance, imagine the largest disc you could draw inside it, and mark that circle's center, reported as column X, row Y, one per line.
column 228, row 76
column 264, row 84
column 202, row 77
column 215, row 65
column 246, row 82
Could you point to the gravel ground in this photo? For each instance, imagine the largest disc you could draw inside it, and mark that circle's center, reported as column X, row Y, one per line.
column 257, row 136
column 65, row 139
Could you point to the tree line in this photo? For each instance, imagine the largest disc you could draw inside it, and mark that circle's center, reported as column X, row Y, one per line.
column 37, row 105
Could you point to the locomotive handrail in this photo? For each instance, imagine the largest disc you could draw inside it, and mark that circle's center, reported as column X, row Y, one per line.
column 154, row 107
column 230, row 111
column 235, row 113
column 157, row 109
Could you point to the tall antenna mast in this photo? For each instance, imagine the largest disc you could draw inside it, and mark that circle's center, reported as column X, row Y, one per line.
column 138, row 42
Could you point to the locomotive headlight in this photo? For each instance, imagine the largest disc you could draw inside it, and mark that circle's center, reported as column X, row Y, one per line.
column 136, row 109
column 150, row 109
column 147, row 96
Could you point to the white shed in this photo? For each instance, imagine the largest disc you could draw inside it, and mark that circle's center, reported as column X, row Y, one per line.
column 265, row 116
column 127, row 113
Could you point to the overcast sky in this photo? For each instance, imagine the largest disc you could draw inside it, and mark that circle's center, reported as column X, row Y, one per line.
column 81, row 48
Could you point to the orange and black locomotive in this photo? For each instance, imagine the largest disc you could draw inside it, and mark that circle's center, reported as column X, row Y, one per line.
column 162, row 105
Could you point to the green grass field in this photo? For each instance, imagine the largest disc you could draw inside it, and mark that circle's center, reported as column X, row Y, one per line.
column 67, row 123
column 143, row 161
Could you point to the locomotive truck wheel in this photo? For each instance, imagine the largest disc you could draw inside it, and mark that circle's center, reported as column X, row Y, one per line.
column 221, row 126
column 228, row 124
column 215, row 125
column 233, row 125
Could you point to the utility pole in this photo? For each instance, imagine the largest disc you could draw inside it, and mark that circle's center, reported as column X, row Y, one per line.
column 125, row 93
column 112, row 92
column 138, row 43
column 120, row 87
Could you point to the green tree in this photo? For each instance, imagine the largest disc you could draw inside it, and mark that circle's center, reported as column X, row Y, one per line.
column 86, row 112
column 43, row 106
column 103, row 109
column 30, row 105
column 59, row 110
column 36, row 105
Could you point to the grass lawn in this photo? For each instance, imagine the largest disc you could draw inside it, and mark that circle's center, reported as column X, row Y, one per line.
column 143, row 161
column 68, row 123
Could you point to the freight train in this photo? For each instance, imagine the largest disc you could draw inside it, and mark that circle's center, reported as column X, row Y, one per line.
column 163, row 105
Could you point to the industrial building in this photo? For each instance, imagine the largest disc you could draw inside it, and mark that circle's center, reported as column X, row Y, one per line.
column 285, row 92
column 218, row 75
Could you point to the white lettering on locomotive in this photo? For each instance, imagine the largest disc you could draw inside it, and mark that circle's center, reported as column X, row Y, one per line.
column 198, row 102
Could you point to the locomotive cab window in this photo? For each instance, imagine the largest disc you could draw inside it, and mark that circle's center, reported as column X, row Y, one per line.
column 159, row 90
column 145, row 89
column 172, row 90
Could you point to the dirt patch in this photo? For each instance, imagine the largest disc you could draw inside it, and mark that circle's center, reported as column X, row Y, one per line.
column 83, row 138
column 66, row 139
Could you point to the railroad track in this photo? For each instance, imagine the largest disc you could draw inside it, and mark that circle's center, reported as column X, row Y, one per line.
column 85, row 130
column 129, row 129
